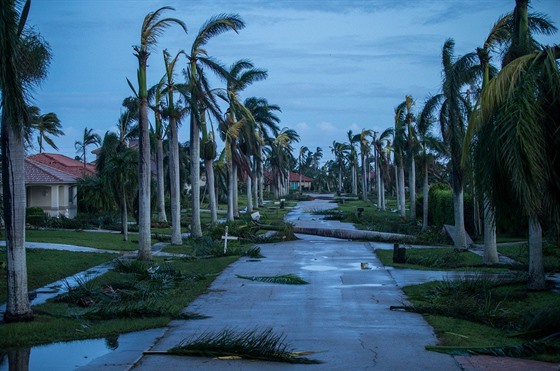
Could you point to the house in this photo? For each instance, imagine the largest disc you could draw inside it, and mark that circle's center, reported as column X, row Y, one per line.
column 305, row 181
column 51, row 189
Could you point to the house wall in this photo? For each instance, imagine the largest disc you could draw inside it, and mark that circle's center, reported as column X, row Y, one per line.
column 54, row 199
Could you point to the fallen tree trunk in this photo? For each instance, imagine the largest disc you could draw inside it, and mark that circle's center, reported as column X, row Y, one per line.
column 351, row 234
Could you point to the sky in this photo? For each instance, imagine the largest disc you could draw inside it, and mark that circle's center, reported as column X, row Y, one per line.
column 333, row 65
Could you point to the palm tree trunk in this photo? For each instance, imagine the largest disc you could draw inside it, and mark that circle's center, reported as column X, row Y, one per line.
column 383, row 201
column 144, row 183
column 210, row 184
column 425, row 203
column 196, row 228
column 124, row 213
column 231, row 185
column 249, row 195
column 300, row 178
column 174, row 183
column 412, row 189
column 13, row 184
column 261, row 182
column 364, row 180
column 354, row 180
column 490, row 248
column 256, row 185
column 536, row 268
column 162, row 216
column 397, row 186
column 378, row 183
column 235, row 192
column 402, row 196
column 458, row 211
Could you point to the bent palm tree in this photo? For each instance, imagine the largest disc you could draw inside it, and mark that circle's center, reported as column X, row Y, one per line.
column 89, row 138
column 267, row 127
column 454, row 110
column 46, row 125
column 152, row 27
column 199, row 93
column 522, row 103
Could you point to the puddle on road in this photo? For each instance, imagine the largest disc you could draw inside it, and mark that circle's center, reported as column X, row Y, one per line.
column 360, row 285
column 60, row 356
column 319, row 268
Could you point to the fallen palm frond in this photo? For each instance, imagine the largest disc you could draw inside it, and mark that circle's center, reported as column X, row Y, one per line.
column 254, row 252
column 286, row 279
column 191, row 315
column 248, row 344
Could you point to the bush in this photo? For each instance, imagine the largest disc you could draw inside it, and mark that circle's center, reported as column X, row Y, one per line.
column 441, row 208
column 35, row 216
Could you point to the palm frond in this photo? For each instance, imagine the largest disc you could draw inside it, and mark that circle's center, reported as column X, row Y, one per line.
column 248, row 344
column 216, row 26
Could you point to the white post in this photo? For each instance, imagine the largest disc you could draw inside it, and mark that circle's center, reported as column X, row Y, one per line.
column 225, row 237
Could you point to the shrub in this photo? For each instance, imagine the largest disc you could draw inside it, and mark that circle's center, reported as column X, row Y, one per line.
column 35, row 216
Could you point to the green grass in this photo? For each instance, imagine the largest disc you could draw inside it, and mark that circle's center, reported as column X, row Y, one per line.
column 64, row 321
column 372, row 219
column 551, row 255
column 98, row 240
column 46, row 266
column 442, row 258
column 487, row 313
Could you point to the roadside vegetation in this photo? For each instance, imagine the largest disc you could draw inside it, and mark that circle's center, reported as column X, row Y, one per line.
column 482, row 315
column 133, row 296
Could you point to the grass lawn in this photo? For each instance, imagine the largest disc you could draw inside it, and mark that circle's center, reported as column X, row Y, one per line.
column 46, row 266
column 520, row 254
column 123, row 301
column 98, row 240
column 441, row 258
column 481, row 313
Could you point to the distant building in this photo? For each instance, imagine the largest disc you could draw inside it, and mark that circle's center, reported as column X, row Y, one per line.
column 305, row 182
column 51, row 183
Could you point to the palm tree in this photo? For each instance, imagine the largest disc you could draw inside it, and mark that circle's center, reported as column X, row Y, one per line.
column 519, row 116
column 89, row 138
column 174, row 116
column 117, row 166
column 152, row 27
column 399, row 144
column 303, row 150
column 353, row 158
column 241, row 74
column 280, row 158
column 267, row 127
column 159, row 131
column 15, row 78
column 46, row 125
column 317, row 155
column 410, row 147
column 380, row 146
column 340, row 151
column 427, row 143
column 454, row 111
column 500, row 35
column 199, row 92
column 365, row 150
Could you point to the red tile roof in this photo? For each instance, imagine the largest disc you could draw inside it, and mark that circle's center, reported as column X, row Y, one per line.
column 294, row 177
column 63, row 163
column 36, row 172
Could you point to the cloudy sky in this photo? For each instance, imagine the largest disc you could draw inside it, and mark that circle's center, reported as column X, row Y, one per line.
column 333, row 65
